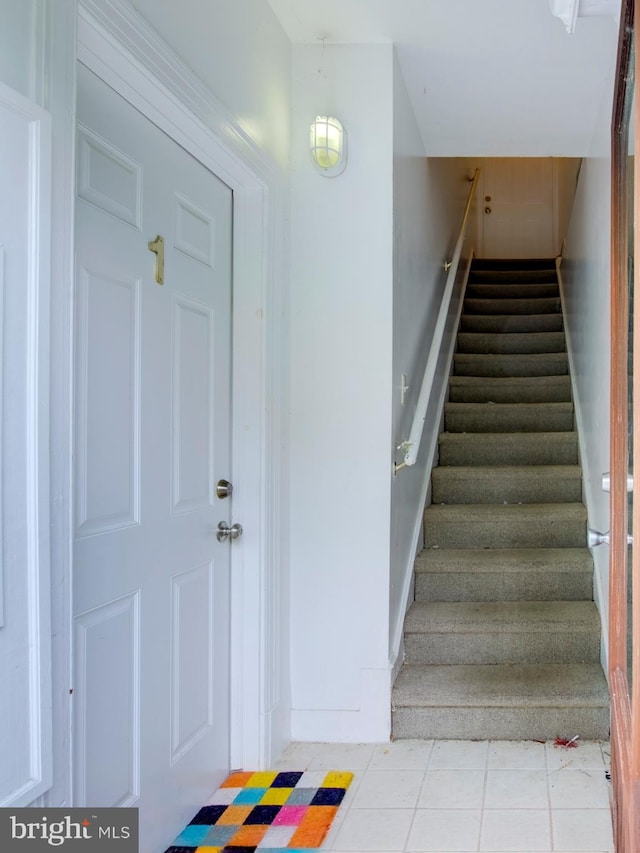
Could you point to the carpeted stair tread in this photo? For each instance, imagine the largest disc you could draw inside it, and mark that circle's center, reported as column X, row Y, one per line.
column 501, row 702
column 504, row 560
column 504, row 574
column 510, row 389
column 542, row 305
column 511, row 364
column 547, row 525
column 495, row 632
column 512, row 617
column 508, row 417
column 514, row 342
column 534, row 448
column 468, row 484
column 502, row 686
column 514, row 264
column 511, row 290
column 548, row 322
column 496, row 276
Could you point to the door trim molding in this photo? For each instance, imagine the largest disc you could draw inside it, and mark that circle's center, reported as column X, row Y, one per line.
column 120, row 47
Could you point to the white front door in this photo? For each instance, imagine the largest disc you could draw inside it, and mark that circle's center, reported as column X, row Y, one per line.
column 152, row 438
column 516, row 208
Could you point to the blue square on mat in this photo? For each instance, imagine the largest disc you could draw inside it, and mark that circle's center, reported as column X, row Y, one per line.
column 286, row 780
column 208, row 815
column 192, row 835
column 328, row 797
column 218, row 835
column 249, row 796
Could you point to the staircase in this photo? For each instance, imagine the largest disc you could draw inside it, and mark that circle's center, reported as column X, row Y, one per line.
column 503, row 638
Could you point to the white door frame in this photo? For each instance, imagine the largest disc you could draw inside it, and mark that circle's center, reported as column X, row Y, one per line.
column 117, row 45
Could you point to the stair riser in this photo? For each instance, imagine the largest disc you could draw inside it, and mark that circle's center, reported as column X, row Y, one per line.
column 544, row 305
column 503, row 533
column 516, row 723
column 448, row 487
column 525, row 342
column 512, row 290
column 506, row 324
column 508, row 449
column 479, row 389
column 481, row 648
column 494, row 418
column 537, row 586
column 540, row 364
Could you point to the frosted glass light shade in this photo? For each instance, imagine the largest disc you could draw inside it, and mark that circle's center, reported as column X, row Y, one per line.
column 328, row 145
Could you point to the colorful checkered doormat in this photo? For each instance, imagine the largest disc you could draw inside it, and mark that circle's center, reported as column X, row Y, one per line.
column 270, row 812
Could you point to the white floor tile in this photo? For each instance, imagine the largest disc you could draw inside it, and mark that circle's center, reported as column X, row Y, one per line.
column 458, row 755
column 579, row 789
column 587, row 754
column 582, row 829
column 516, row 789
column 347, row 756
column 516, row 755
column 402, row 755
column 515, row 830
column 391, row 789
column 452, row 789
column 444, row 830
column 464, row 797
column 374, row 829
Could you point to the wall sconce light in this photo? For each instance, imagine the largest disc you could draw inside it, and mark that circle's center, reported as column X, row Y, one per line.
column 328, row 143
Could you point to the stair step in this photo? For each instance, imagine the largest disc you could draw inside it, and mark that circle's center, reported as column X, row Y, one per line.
column 510, row 389
column 519, row 342
column 496, row 632
column 515, row 323
column 544, row 305
column 520, row 264
column 504, row 574
column 533, row 448
column 547, row 525
column 508, row 417
column 513, row 484
column 501, row 702
column 511, row 290
column 512, row 364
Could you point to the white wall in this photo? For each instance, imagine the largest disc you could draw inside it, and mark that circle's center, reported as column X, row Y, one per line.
column 429, row 196
column 242, row 54
column 341, row 360
column 586, row 276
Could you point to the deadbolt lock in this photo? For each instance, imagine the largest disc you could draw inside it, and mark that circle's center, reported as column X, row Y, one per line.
column 224, row 489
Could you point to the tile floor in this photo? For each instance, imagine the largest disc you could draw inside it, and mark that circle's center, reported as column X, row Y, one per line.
column 462, row 796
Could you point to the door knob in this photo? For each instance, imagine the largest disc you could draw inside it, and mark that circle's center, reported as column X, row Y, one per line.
column 224, row 489
column 487, row 209
column 224, row 531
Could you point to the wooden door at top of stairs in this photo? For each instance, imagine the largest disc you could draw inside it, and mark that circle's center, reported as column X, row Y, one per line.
column 152, row 436
column 624, row 560
column 516, row 208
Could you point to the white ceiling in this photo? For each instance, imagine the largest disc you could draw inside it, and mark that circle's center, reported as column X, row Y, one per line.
column 485, row 77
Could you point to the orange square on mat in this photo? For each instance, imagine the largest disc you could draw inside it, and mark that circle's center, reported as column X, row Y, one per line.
column 234, row 815
column 236, row 780
column 313, row 826
column 248, row 836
